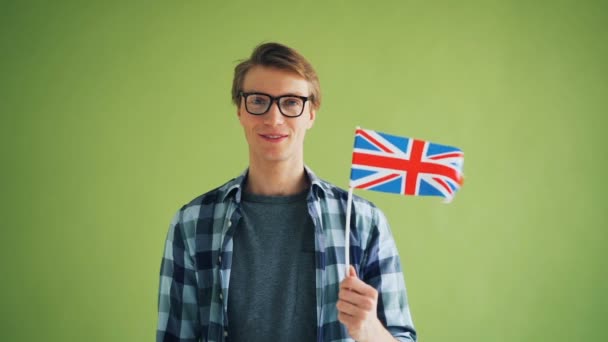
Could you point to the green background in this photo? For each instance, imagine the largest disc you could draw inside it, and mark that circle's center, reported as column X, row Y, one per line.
column 114, row 115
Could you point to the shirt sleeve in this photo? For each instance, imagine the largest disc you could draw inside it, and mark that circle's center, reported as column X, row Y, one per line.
column 178, row 318
column 382, row 270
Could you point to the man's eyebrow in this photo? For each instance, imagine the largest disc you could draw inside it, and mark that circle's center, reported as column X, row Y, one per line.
column 291, row 93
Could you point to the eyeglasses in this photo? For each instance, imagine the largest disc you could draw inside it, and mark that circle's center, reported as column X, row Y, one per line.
column 289, row 105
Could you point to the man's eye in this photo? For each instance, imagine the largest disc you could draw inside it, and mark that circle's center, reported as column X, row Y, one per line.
column 292, row 102
column 258, row 100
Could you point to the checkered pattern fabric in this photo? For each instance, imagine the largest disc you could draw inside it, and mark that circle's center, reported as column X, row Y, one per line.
column 195, row 269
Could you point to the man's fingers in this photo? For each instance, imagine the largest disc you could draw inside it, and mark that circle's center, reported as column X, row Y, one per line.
column 361, row 301
column 349, row 309
column 356, row 305
column 347, row 319
column 357, row 285
column 351, row 271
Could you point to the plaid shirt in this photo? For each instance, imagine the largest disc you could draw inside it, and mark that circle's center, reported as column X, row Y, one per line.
column 195, row 270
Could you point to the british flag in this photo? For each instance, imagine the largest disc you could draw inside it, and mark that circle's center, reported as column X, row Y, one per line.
column 388, row 163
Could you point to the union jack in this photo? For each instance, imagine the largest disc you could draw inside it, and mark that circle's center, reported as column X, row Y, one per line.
column 388, row 163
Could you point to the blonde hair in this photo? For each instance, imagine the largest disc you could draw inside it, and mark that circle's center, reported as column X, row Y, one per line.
column 282, row 57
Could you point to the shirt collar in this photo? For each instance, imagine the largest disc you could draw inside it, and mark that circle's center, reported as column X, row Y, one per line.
column 234, row 188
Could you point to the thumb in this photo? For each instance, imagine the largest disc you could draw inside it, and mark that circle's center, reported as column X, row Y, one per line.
column 352, row 272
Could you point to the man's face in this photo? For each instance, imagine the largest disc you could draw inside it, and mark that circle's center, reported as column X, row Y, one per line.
column 272, row 137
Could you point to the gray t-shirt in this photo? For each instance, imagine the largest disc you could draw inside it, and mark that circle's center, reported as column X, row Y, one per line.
column 272, row 293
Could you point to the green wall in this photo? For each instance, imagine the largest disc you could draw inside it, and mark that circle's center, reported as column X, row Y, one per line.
column 114, row 115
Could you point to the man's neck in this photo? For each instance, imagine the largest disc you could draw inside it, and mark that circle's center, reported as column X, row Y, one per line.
column 276, row 179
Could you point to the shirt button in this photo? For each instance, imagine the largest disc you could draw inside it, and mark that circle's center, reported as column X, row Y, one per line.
column 221, row 297
column 225, row 332
column 219, row 260
column 229, row 223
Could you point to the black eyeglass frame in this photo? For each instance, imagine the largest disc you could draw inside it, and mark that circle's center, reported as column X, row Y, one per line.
column 273, row 100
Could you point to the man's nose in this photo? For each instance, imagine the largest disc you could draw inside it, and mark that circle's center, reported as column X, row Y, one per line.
column 274, row 116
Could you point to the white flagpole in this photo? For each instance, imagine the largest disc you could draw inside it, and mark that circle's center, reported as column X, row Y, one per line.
column 349, row 204
column 347, row 231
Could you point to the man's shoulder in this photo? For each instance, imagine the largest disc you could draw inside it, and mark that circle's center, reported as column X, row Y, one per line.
column 204, row 204
column 335, row 193
column 217, row 194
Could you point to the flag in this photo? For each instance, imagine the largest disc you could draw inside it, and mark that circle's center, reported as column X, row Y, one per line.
column 388, row 163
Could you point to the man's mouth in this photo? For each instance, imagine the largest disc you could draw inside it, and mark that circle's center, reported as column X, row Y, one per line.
column 274, row 137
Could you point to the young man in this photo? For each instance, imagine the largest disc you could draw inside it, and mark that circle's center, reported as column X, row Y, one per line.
column 261, row 258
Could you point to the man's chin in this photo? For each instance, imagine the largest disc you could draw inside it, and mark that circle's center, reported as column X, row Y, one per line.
column 274, row 156
column 276, row 159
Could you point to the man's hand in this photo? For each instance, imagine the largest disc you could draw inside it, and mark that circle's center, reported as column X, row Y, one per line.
column 356, row 305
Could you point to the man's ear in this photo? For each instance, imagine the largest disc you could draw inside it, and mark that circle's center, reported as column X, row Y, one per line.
column 313, row 116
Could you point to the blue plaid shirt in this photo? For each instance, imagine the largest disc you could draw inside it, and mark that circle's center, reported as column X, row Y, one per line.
column 195, row 269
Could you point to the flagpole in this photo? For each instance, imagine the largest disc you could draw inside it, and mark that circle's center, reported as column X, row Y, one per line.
column 347, row 232
column 349, row 204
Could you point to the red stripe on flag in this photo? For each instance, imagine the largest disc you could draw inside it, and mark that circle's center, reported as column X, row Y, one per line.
column 443, row 184
column 415, row 167
column 377, row 181
column 376, row 142
column 449, row 155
